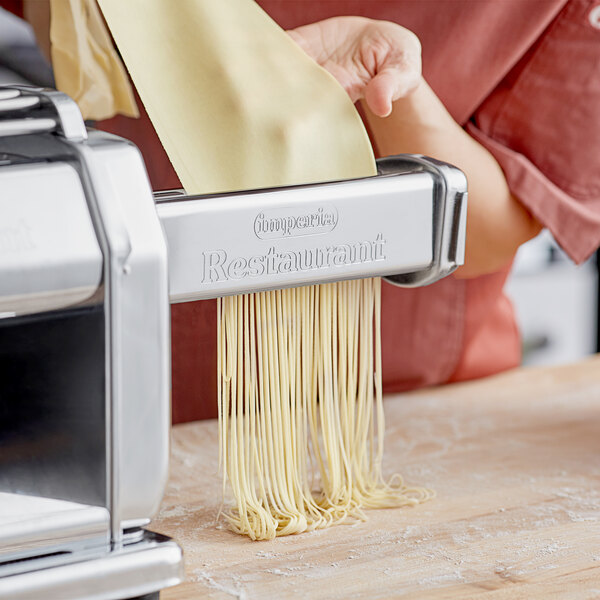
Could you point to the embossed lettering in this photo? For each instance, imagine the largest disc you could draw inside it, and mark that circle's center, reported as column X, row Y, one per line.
column 279, row 223
column 219, row 267
column 213, row 266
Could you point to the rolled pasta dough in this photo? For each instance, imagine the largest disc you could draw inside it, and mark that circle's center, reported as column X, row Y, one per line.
column 235, row 102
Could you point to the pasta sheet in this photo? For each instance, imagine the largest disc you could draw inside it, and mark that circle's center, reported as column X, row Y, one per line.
column 235, row 102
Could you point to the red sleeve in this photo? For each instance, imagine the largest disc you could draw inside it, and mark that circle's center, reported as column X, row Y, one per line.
column 542, row 124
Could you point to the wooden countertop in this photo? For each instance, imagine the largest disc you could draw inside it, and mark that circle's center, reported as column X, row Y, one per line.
column 515, row 461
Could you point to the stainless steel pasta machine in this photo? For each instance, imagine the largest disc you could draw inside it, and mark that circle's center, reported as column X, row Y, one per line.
column 84, row 323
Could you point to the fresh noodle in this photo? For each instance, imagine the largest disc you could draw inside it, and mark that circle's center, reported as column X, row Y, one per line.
column 301, row 423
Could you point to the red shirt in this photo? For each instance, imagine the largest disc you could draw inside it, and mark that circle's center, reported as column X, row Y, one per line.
column 523, row 78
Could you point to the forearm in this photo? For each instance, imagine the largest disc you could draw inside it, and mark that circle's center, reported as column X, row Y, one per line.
column 497, row 223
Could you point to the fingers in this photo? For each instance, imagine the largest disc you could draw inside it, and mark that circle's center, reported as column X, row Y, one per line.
column 299, row 39
column 324, row 39
column 375, row 60
column 308, row 38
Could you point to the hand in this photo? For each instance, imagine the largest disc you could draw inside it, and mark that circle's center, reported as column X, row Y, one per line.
column 380, row 62
column 375, row 60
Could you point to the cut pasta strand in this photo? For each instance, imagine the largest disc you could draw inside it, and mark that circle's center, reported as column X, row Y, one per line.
column 300, row 404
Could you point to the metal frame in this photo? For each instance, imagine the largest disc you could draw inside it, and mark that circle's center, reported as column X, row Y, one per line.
column 135, row 288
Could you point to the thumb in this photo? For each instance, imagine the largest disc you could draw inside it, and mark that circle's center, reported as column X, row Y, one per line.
column 388, row 85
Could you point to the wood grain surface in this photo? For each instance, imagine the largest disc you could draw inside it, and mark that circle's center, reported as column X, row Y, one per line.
column 515, row 461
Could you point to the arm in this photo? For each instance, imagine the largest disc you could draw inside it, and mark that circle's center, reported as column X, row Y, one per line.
column 497, row 223
column 379, row 62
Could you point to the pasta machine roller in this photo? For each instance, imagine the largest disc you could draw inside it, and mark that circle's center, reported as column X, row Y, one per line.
column 84, row 323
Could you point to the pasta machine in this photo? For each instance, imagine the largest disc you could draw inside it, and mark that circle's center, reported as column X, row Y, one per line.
column 84, row 323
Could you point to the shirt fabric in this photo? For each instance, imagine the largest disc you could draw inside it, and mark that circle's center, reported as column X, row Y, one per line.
column 523, row 78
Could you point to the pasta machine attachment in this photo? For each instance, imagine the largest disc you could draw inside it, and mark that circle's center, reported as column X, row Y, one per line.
column 84, row 323
column 407, row 224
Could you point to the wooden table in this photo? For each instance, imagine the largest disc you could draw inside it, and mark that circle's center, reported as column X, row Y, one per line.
column 515, row 460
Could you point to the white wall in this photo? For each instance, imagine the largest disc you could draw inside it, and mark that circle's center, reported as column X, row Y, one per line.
column 555, row 303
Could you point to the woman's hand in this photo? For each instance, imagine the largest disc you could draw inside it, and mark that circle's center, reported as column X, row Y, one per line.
column 377, row 61
column 380, row 62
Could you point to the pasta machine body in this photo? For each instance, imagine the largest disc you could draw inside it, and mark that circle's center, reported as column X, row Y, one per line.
column 85, row 287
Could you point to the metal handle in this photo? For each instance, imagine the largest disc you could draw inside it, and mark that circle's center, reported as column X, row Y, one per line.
column 26, row 110
column 26, row 126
